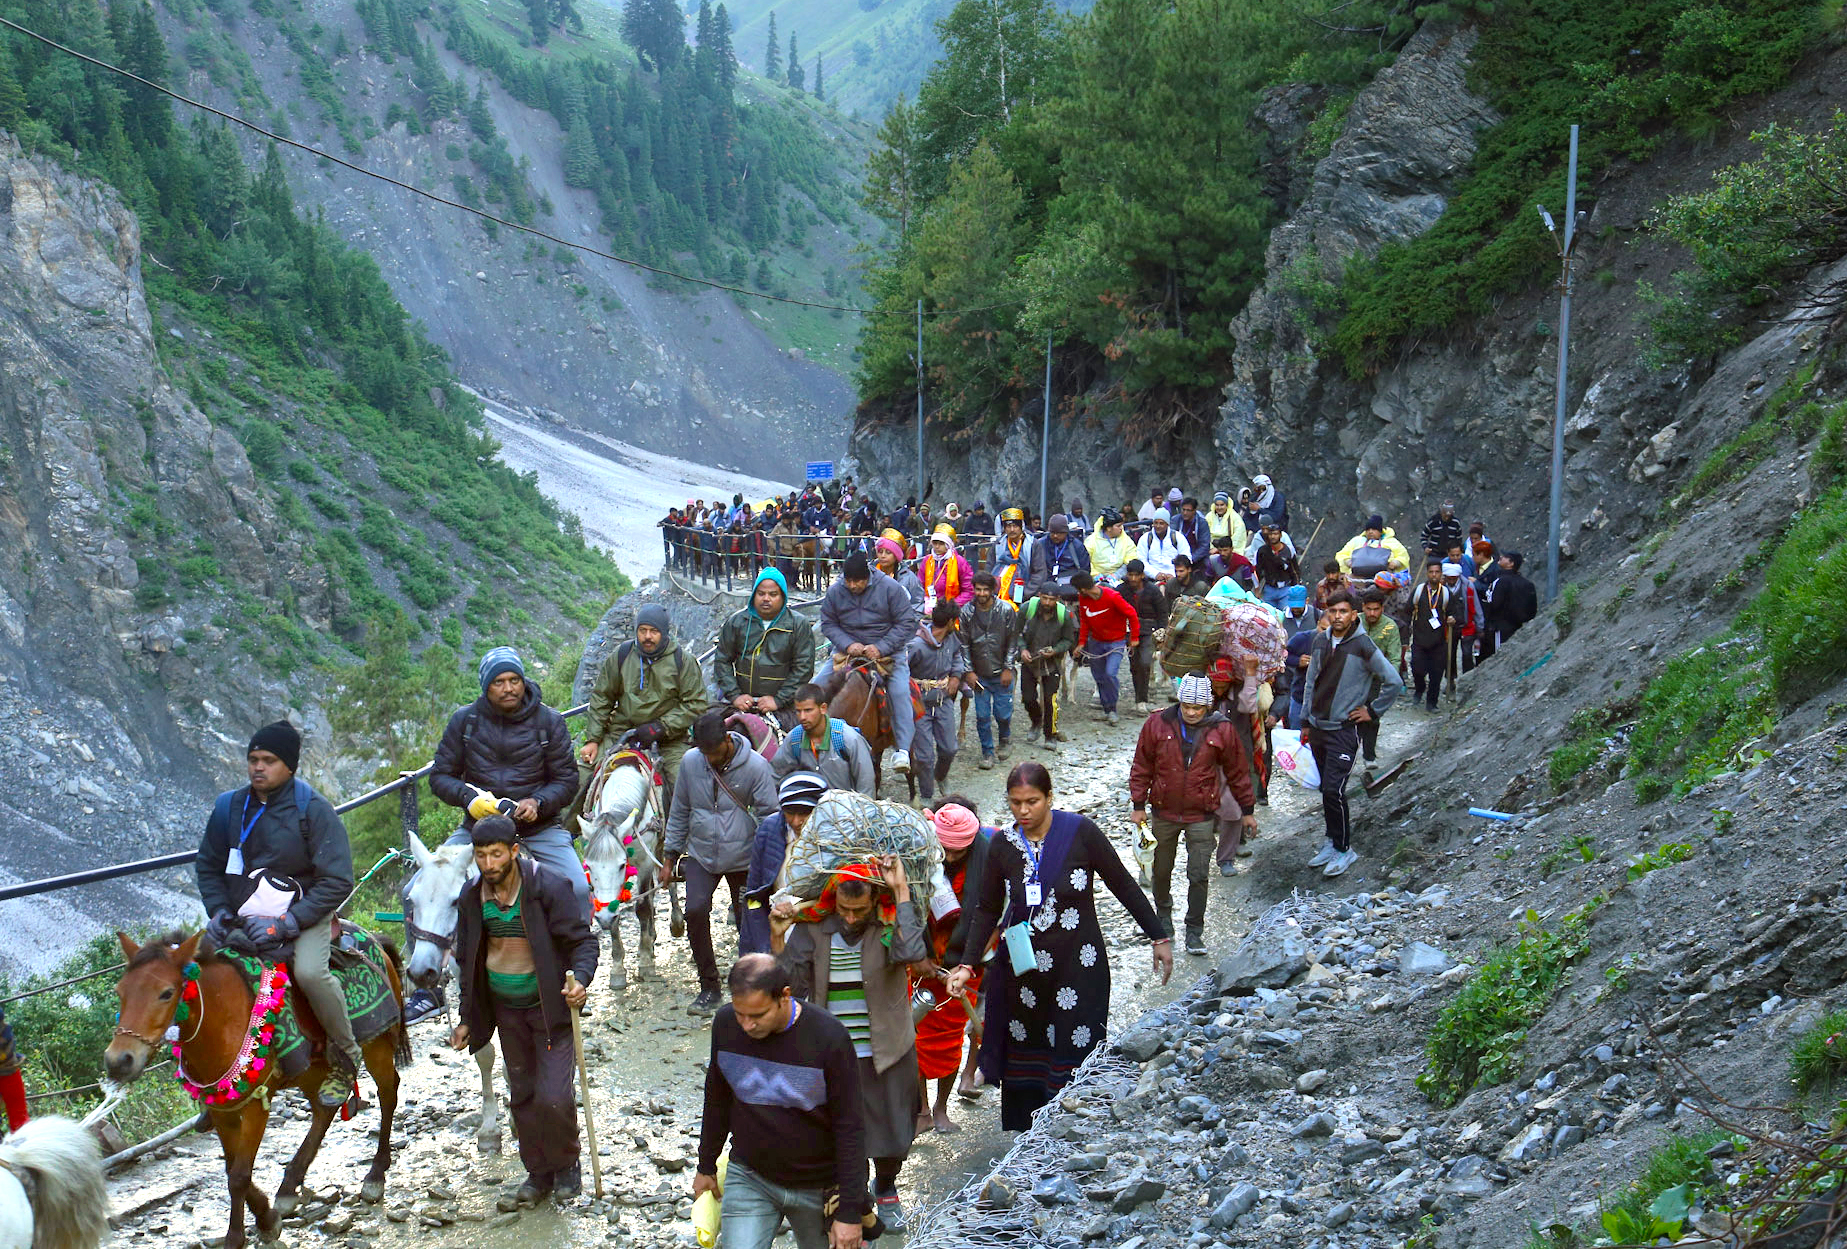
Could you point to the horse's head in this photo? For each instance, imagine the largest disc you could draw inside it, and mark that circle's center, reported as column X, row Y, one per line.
column 148, row 996
column 430, row 900
column 623, row 810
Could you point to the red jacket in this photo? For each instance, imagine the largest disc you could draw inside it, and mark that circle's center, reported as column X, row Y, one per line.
column 1187, row 794
column 1108, row 618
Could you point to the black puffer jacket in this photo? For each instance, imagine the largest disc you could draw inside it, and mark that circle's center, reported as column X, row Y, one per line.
column 524, row 755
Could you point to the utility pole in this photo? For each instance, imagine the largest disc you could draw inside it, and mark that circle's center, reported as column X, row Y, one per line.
column 1566, row 244
column 920, row 472
column 1045, row 427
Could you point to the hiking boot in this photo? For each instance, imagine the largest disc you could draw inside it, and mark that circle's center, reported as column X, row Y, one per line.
column 903, row 762
column 706, row 1003
column 1056, row 736
column 1006, row 744
column 1141, row 707
column 1322, row 855
column 1051, row 743
column 422, row 1002
column 1228, row 868
column 1338, row 865
column 533, row 1190
column 891, row 1211
column 342, row 1071
column 987, row 761
column 1110, row 716
column 1196, row 944
column 569, row 1182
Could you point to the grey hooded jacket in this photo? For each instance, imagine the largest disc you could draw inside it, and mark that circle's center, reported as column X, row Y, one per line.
column 714, row 818
column 882, row 616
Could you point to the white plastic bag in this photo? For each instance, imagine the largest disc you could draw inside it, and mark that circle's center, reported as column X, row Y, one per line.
column 1294, row 758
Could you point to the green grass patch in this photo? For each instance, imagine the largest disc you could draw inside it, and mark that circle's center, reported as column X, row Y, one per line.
column 1477, row 1039
column 1818, row 1063
column 1569, row 852
column 1746, row 449
column 1588, row 737
column 1679, row 1160
column 1698, row 716
column 1654, row 860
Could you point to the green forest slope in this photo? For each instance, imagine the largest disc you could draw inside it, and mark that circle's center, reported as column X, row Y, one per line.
column 1114, row 196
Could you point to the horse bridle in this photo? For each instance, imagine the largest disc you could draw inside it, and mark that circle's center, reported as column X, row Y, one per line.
column 416, row 934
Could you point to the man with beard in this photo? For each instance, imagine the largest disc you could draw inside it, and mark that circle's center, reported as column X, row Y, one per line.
column 765, row 652
column 517, row 931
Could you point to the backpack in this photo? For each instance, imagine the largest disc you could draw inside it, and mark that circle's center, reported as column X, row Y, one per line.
column 304, row 793
column 1194, row 629
column 1370, row 559
column 799, row 736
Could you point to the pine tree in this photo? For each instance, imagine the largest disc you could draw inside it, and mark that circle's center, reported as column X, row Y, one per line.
column 772, row 56
column 149, row 117
column 705, row 68
column 891, row 169
column 796, row 73
column 724, row 55
column 12, row 96
column 820, row 92
column 480, row 117
column 539, row 17
column 581, row 166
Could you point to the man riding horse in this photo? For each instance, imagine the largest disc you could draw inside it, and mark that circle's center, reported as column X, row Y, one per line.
column 869, row 619
column 649, row 687
column 507, row 748
column 765, row 652
column 273, row 868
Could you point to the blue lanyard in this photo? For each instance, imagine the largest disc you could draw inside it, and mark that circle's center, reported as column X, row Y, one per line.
column 252, row 822
column 1033, row 853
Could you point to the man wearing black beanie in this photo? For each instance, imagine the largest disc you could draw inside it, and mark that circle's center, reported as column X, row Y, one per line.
column 273, row 868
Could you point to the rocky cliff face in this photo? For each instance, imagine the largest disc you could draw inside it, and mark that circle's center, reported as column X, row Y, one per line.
column 1466, row 419
column 98, row 700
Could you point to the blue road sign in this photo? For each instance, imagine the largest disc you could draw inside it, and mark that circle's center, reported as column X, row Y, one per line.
column 820, row 470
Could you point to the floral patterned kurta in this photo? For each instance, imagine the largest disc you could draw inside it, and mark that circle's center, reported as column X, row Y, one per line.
column 1043, row 1023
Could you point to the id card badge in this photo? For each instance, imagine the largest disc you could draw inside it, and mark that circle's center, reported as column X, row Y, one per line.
column 234, row 861
column 1034, row 894
column 1020, row 949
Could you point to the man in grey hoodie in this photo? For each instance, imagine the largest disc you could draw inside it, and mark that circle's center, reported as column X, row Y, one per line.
column 938, row 662
column 725, row 790
column 867, row 615
column 1343, row 666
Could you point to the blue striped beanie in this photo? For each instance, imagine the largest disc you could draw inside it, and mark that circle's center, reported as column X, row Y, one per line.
column 500, row 659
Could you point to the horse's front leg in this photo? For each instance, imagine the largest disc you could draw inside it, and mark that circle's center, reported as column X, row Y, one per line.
column 240, row 1134
column 487, row 1136
column 382, row 1062
column 618, row 970
column 288, row 1196
column 644, row 920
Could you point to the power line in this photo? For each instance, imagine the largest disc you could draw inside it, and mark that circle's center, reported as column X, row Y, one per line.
column 484, row 215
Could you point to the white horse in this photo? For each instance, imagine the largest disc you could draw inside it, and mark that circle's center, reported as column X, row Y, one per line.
column 627, row 826
column 51, row 1188
column 430, row 900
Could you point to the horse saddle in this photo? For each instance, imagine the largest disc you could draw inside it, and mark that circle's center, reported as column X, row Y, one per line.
column 884, row 704
column 357, row 960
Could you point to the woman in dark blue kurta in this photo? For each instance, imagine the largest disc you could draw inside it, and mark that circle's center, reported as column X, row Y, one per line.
column 1042, row 1023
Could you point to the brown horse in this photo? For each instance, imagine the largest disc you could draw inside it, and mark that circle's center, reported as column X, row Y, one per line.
column 149, row 994
column 853, row 697
column 796, row 556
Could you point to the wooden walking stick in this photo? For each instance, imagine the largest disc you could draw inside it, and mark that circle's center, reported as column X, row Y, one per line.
column 583, row 1085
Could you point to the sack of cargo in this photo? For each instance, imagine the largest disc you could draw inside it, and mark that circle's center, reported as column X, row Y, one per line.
column 849, row 829
column 1193, row 631
column 1253, row 629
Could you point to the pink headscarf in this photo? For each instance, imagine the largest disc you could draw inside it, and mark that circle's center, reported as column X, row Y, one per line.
column 897, row 552
column 956, row 826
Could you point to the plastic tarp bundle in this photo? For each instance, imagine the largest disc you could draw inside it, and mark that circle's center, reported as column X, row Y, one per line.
column 1253, row 629
column 849, row 828
column 1227, row 593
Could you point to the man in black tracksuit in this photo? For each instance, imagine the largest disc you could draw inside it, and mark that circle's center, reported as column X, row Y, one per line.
column 1344, row 671
column 1150, row 605
column 1508, row 602
column 517, row 931
column 1436, row 614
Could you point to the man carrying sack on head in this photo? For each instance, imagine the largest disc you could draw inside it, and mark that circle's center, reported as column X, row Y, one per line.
column 855, row 962
column 273, row 868
column 518, row 930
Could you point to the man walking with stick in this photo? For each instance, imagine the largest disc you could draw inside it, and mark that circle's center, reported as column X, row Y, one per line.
column 518, row 931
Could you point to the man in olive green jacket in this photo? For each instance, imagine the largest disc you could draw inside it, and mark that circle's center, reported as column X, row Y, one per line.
column 651, row 686
column 765, row 652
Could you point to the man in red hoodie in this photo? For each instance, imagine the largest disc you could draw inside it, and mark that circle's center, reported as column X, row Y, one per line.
column 1107, row 629
column 1182, row 756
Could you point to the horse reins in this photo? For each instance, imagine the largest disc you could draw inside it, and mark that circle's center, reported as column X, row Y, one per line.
column 130, row 1032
